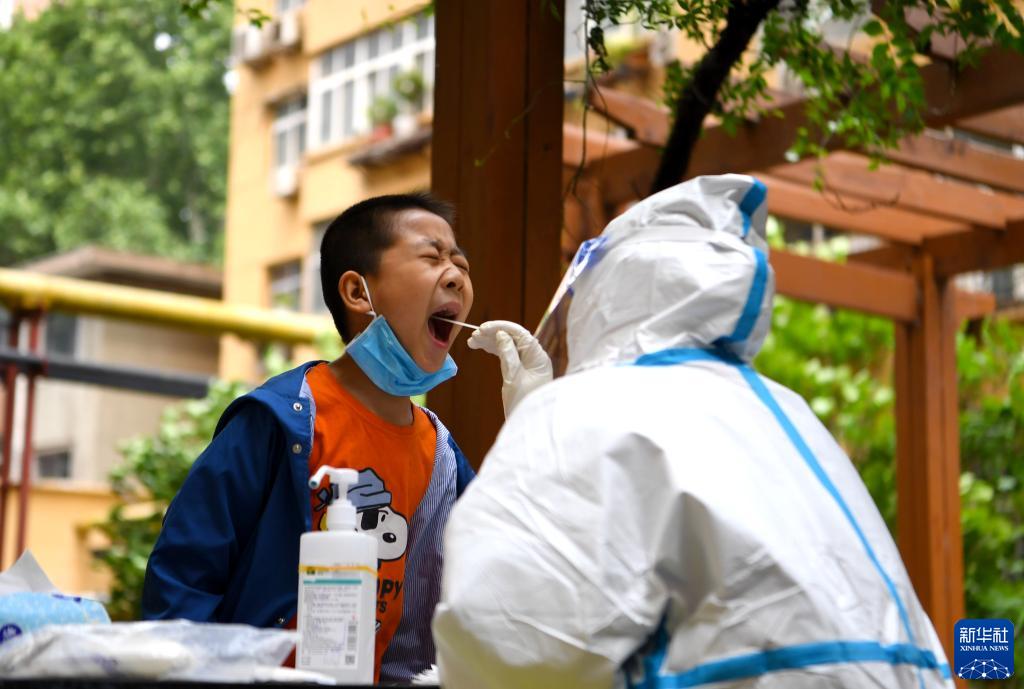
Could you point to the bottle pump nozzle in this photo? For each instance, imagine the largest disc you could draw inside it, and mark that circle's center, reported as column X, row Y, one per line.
column 341, row 514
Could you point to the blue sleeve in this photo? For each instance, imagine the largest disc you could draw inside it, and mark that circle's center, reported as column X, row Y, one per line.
column 463, row 471
column 212, row 518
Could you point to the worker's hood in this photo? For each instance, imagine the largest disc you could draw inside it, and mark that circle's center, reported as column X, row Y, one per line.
column 686, row 267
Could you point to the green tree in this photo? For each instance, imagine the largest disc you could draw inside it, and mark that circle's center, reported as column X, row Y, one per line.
column 115, row 128
column 865, row 104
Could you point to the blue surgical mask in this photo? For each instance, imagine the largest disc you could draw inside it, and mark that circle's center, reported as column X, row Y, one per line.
column 384, row 360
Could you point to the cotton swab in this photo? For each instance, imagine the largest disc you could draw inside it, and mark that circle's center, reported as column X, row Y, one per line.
column 464, row 325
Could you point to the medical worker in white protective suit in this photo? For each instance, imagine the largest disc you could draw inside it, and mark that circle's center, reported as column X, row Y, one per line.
column 661, row 515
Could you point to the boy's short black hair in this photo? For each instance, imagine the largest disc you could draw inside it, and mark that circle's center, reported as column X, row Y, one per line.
column 356, row 238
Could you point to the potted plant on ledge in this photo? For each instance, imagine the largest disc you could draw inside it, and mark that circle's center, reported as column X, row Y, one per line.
column 382, row 111
column 409, row 88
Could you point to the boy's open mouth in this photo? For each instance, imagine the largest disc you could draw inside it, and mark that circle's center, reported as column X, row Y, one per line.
column 441, row 330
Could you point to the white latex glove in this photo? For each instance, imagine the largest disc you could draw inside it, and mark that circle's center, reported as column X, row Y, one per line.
column 525, row 366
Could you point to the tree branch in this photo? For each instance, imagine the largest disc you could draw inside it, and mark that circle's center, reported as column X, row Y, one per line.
column 697, row 99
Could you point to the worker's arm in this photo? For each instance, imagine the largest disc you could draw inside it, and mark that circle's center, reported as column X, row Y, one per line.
column 212, row 518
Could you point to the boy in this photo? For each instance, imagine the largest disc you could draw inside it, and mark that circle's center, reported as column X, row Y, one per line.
column 228, row 551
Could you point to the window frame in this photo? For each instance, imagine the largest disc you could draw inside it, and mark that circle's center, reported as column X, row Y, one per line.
column 42, row 455
column 284, row 279
column 340, row 78
column 290, row 126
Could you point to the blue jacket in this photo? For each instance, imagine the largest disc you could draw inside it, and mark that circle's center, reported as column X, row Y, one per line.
column 229, row 548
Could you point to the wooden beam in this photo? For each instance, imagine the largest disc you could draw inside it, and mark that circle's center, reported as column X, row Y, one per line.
column 928, row 452
column 954, row 253
column 626, row 176
column 497, row 154
column 951, row 95
column 932, row 151
column 962, row 159
column 1014, row 314
column 963, row 253
column 848, row 175
column 791, row 200
column 765, row 143
column 1005, row 124
column 877, row 291
column 891, row 256
column 795, row 201
column 647, row 121
column 584, row 215
column 970, row 306
column 581, row 147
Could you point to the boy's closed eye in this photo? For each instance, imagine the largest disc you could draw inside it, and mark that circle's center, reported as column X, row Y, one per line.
column 457, row 259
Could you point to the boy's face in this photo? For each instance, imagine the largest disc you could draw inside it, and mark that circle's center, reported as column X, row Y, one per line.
column 422, row 274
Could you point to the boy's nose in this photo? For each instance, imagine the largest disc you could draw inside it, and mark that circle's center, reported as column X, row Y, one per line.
column 455, row 280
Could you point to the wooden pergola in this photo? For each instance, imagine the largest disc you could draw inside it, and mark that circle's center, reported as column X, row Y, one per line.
column 943, row 207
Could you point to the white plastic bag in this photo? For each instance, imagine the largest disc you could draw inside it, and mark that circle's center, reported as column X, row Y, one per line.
column 175, row 649
column 30, row 601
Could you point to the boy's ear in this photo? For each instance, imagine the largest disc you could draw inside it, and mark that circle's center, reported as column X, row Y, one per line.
column 350, row 289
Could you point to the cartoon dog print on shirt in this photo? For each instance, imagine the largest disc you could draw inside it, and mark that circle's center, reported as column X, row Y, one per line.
column 375, row 516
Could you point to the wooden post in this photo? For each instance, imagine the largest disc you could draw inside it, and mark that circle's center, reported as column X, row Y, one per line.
column 497, row 154
column 928, row 451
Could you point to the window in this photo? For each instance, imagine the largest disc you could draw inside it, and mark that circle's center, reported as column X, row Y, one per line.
column 1002, row 286
column 288, row 5
column 289, row 132
column 347, row 78
column 286, row 295
column 53, row 464
column 61, row 334
column 286, row 286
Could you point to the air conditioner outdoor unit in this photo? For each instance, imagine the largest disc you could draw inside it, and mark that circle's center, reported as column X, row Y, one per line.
column 255, row 47
column 286, row 181
column 290, row 31
column 239, row 36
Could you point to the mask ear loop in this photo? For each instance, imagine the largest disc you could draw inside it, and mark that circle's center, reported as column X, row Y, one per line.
column 367, row 290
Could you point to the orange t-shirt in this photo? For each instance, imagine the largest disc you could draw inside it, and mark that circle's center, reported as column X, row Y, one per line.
column 395, row 464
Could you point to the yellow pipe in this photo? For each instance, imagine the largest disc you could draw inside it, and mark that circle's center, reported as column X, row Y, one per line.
column 21, row 289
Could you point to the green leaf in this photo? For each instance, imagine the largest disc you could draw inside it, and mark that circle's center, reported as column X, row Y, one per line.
column 872, row 27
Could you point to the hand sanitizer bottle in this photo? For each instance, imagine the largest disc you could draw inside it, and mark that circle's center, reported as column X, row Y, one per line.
column 337, row 590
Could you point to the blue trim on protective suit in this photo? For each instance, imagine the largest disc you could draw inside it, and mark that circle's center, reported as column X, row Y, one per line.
column 751, row 201
column 790, row 658
column 752, row 307
column 899, row 653
column 761, row 390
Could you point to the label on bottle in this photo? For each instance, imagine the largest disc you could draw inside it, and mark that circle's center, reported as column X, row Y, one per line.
column 329, row 609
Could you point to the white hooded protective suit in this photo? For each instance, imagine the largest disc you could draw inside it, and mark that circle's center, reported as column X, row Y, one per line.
column 662, row 516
